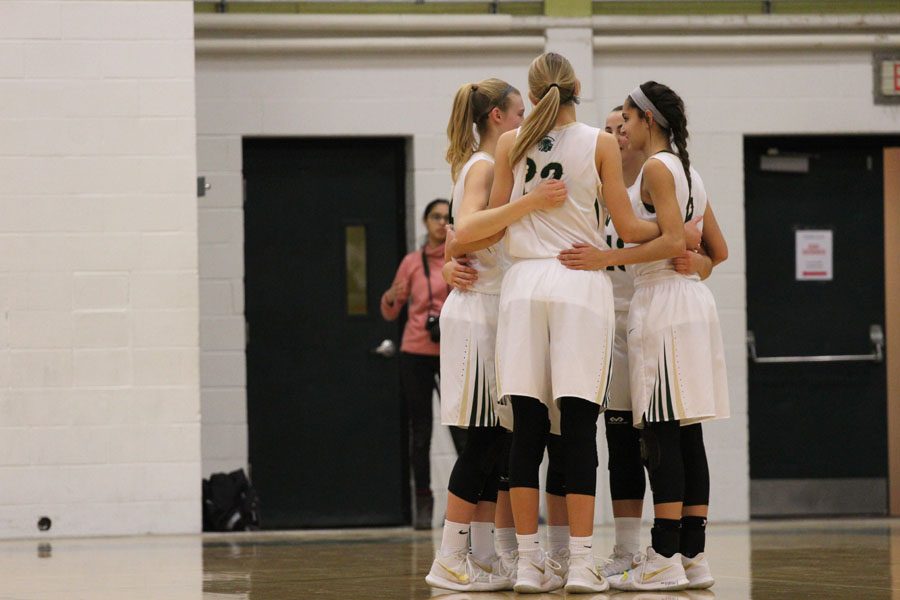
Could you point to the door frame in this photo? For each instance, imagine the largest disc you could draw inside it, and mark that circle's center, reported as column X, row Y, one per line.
column 892, row 318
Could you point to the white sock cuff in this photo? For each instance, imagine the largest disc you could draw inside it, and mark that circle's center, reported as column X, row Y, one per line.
column 581, row 545
column 506, row 539
column 455, row 538
column 528, row 543
column 628, row 534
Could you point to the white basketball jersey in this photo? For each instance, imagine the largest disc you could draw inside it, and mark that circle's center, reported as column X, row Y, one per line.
column 691, row 202
column 565, row 153
column 489, row 262
column 622, row 276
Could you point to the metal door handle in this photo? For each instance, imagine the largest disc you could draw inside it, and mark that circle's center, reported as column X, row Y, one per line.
column 387, row 349
column 876, row 336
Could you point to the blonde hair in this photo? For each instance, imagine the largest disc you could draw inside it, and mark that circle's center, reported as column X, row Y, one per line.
column 471, row 106
column 551, row 79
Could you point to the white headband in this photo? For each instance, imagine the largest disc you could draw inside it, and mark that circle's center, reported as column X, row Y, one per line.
column 644, row 103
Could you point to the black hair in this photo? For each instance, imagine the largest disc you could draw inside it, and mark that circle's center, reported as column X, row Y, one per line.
column 619, row 108
column 671, row 106
column 430, row 206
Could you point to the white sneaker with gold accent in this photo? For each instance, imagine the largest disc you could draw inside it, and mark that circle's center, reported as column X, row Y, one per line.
column 698, row 572
column 536, row 573
column 509, row 564
column 459, row 572
column 618, row 562
column 652, row 572
column 561, row 558
column 584, row 578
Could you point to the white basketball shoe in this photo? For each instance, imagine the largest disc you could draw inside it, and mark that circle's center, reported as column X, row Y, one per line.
column 584, row 577
column 619, row 562
column 698, row 572
column 652, row 572
column 461, row 573
column 536, row 573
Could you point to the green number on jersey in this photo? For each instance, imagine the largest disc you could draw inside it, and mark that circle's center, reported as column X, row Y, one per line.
column 530, row 170
column 554, row 168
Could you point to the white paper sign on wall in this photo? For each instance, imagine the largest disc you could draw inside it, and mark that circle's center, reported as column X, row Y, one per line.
column 814, row 255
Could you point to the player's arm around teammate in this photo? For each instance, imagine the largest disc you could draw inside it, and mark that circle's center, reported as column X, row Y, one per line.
column 500, row 213
column 712, row 251
column 658, row 186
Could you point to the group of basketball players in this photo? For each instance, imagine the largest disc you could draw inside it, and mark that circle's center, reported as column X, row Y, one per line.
column 576, row 257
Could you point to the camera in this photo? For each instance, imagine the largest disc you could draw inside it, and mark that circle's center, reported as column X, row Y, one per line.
column 433, row 325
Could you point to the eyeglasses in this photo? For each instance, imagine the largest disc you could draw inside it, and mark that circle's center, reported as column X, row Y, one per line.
column 438, row 217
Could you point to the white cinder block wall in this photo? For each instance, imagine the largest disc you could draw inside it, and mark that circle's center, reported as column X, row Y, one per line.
column 99, row 378
column 728, row 95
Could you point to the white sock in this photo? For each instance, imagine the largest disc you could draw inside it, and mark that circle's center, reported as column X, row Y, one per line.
column 528, row 544
column 558, row 537
column 581, row 546
column 482, row 541
column 455, row 539
column 628, row 534
column 506, row 539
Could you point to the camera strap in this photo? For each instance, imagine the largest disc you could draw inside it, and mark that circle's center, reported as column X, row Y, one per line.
column 427, row 280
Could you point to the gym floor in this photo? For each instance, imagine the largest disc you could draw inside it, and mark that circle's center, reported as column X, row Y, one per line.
column 822, row 559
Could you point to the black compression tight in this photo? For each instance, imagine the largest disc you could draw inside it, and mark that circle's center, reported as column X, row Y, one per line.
column 529, row 437
column 476, row 474
column 555, row 482
column 578, row 425
column 626, row 471
column 676, row 462
column 696, row 468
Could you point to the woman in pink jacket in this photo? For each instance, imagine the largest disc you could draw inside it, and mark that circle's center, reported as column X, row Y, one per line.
column 420, row 283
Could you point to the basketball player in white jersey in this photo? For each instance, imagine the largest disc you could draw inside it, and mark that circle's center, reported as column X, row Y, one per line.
column 468, row 329
column 627, row 481
column 676, row 358
column 554, row 339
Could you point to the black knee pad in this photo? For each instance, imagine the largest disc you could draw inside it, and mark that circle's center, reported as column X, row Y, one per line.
column 661, row 451
column 696, row 467
column 476, row 463
column 532, row 425
column 626, row 470
column 556, row 466
column 578, row 424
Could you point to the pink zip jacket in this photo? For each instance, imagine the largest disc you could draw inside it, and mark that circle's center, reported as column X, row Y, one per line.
column 416, row 339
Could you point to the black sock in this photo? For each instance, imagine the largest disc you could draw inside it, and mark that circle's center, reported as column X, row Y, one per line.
column 693, row 536
column 666, row 536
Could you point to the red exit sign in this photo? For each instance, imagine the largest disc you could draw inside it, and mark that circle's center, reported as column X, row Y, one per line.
column 886, row 74
column 890, row 77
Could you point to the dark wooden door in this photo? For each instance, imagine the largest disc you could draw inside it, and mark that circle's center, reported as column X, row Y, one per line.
column 324, row 233
column 817, row 395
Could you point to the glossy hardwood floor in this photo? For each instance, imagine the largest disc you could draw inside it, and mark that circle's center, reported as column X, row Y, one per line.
column 823, row 559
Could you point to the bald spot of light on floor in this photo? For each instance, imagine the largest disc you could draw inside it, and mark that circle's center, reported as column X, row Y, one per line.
column 823, row 559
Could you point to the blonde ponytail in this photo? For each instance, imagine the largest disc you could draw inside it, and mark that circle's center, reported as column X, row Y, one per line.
column 460, row 130
column 552, row 79
column 472, row 104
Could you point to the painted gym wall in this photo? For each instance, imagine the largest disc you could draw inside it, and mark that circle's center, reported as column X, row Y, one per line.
column 728, row 95
column 99, row 378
